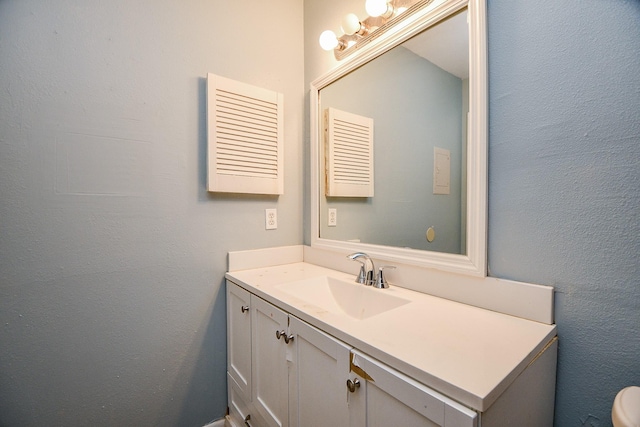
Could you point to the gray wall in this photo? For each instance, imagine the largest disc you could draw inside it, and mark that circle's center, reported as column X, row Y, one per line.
column 564, row 183
column 112, row 253
column 415, row 106
column 564, row 177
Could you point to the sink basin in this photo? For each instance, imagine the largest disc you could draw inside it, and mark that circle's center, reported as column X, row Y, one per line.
column 343, row 297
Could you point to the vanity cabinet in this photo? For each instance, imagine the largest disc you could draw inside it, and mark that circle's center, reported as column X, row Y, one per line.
column 296, row 374
column 299, row 376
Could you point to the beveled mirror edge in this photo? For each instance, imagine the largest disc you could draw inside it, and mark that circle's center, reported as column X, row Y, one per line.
column 475, row 261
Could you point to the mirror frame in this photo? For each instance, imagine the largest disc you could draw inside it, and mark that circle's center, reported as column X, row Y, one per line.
column 474, row 262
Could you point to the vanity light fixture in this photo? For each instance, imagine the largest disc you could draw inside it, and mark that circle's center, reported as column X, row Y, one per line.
column 351, row 25
column 357, row 33
column 329, row 41
column 382, row 8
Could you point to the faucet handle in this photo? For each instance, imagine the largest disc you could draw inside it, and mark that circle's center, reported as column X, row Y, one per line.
column 381, row 282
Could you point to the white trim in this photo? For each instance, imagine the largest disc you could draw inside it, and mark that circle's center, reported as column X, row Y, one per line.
column 475, row 261
column 525, row 300
column 267, row 257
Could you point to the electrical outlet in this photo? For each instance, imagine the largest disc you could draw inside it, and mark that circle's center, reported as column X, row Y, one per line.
column 332, row 220
column 270, row 219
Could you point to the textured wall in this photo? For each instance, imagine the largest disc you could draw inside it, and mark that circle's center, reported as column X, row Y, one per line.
column 112, row 254
column 564, row 177
column 564, row 183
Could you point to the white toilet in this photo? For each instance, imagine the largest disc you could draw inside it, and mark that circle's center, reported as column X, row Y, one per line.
column 626, row 408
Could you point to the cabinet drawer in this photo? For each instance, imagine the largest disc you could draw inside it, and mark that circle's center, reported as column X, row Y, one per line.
column 241, row 411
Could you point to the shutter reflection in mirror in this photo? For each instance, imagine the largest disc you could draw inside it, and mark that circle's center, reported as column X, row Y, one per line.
column 349, row 154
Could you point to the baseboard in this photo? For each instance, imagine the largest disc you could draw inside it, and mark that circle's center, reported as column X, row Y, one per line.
column 218, row 423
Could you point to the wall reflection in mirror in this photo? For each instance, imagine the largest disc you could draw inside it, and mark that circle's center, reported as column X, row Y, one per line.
column 417, row 97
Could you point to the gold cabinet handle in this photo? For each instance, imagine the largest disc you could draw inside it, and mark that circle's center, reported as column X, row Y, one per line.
column 353, row 385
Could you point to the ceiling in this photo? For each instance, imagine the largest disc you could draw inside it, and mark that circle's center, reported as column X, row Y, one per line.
column 445, row 44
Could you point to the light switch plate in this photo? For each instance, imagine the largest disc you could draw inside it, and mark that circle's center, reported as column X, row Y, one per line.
column 441, row 171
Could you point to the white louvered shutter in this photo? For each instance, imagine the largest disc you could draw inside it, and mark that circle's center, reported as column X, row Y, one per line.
column 348, row 154
column 245, row 138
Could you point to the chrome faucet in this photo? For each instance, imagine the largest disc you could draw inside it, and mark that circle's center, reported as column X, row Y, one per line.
column 367, row 275
column 367, row 269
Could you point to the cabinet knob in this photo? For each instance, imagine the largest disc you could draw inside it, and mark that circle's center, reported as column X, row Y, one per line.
column 288, row 338
column 353, row 385
column 281, row 334
column 245, row 308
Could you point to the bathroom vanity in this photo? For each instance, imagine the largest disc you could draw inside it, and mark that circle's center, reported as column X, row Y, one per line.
column 307, row 346
column 448, row 346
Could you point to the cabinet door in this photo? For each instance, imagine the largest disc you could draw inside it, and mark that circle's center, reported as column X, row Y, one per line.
column 317, row 381
column 391, row 398
column 270, row 371
column 239, row 339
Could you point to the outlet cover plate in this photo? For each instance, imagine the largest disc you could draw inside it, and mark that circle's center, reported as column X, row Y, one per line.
column 332, row 218
column 270, row 219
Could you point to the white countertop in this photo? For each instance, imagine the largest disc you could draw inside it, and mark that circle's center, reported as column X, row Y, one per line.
column 467, row 353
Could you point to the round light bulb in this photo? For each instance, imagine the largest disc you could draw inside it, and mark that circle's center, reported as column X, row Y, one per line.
column 350, row 24
column 328, row 40
column 377, row 7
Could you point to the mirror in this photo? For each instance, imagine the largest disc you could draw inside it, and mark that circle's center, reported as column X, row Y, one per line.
column 423, row 88
column 417, row 97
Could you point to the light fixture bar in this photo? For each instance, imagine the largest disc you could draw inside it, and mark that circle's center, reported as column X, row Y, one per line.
column 373, row 26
